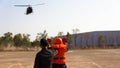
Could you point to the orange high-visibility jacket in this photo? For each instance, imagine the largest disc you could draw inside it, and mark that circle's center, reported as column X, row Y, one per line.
column 60, row 57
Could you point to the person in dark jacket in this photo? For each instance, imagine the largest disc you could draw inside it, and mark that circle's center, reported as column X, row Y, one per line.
column 44, row 57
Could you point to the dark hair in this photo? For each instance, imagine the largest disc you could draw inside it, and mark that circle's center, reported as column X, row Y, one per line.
column 43, row 42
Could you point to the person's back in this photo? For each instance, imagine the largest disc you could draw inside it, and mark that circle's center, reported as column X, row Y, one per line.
column 44, row 57
column 59, row 60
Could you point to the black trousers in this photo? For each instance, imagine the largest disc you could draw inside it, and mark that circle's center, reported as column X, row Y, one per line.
column 59, row 66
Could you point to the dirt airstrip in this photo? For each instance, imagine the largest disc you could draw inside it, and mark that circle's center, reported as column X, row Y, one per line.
column 97, row 58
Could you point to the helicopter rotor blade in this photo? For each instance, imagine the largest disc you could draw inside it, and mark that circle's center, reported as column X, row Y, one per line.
column 38, row 4
column 22, row 5
column 28, row 5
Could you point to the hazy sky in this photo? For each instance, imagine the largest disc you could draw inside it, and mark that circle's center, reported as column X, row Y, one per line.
column 59, row 16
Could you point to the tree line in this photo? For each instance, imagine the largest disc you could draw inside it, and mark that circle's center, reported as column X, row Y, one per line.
column 19, row 40
column 23, row 40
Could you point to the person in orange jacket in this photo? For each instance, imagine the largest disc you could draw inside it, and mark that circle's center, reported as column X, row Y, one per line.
column 59, row 60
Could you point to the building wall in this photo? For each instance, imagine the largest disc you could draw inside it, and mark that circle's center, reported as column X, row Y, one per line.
column 92, row 38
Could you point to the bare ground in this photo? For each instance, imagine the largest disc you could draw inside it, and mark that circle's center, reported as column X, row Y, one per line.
column 100, row 58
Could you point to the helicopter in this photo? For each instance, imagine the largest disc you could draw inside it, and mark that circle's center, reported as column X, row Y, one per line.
column 29, row 9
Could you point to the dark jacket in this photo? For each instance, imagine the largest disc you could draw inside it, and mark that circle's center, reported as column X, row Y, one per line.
column 43, row 59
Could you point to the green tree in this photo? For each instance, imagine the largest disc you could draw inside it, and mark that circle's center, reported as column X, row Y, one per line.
column 22, row 40
column 26, row 41
column 17, row 40
column 35, row 43
column 1, row 40
column 101, row 41
column 7, row 39
column 69, row 40
column 1, row 43
column 38, row 37
column 42, row 35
